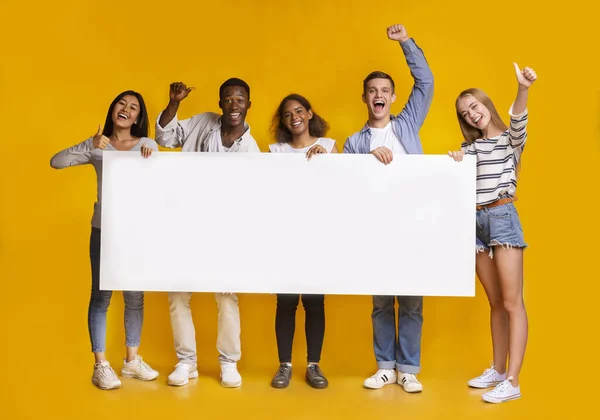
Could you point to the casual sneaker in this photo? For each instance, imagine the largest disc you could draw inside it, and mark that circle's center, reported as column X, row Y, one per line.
column 182, row 374
column 315, row 377
column 503, row 392
column 489, row 378
column 282, row 377
column 409, row 382
column 105, row 377
column 138, row 369
column 382, row 377
column 230, row 377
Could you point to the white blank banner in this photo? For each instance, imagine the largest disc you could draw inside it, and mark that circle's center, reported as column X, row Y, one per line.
column 276, row 223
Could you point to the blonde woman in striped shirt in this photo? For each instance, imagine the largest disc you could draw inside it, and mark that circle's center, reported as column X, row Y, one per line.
column 498, row 150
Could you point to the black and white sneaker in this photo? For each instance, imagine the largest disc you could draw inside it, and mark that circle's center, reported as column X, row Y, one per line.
column 409, row 382
column 382, row 377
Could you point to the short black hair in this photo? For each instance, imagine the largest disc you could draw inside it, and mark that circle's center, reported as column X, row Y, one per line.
column 234, row 81
column 378, row 75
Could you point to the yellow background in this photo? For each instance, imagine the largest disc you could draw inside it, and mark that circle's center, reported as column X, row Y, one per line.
column 62, row 64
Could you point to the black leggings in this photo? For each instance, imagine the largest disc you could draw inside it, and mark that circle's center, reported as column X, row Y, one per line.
column 285, row 325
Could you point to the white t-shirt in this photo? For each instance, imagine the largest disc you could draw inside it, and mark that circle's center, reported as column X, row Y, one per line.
column 385, row 137
column 327, row 143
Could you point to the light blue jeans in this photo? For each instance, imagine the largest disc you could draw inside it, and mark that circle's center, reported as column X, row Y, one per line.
column 100, row 300
column 403, row 351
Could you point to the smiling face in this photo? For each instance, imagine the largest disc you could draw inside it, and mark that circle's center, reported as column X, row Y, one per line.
column 295, row 117
column 234, row 103
column 125, row 112
column 473, row 112
column 379, row 96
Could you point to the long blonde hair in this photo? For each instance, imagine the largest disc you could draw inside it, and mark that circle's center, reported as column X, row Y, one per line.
column 469, row 132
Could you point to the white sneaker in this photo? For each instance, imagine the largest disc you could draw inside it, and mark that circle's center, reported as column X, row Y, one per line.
column 409, row 382
column 182, row 374
column 489, row 377
column 503, row 392
column 105, row 377
column 138, row 369
column 230, row 377
column 380, row 378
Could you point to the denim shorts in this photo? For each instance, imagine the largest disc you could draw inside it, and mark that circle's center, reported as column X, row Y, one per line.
column 499, row 226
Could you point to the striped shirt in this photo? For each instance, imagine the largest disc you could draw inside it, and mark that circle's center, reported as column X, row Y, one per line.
column 497, row 158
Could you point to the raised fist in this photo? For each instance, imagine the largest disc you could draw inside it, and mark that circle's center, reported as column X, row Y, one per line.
column 397, row 33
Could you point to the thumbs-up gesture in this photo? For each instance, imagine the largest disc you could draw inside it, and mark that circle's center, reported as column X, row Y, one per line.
column 525, row 77
column 100, row 141
column 179, row 91
column 397, row 33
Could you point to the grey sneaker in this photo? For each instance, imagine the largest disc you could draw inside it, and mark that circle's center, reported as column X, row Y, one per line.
column 282, row 377
column 315, row 377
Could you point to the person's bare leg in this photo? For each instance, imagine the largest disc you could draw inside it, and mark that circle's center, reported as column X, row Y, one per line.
column 509, row 263
column 488, row 276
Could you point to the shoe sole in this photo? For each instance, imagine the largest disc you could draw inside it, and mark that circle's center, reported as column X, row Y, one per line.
column 317, row 386
column 106, row 388
column 412, row 391
column 494, row 400
column 376, row 387
column 231, row 385
column 483, row 385
column 192, row 375
column 126, row 374
column 279, row 386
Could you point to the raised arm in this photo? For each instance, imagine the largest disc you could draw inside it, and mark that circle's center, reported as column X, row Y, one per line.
column 420, row 98
column 525, row 79
column 170, row 132
column 518, row 113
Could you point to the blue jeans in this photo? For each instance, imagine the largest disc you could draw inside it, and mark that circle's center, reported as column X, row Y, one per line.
column 402, row 352
column 100, row 299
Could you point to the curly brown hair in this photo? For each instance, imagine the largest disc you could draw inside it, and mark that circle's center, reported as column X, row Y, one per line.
column 317, row 126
